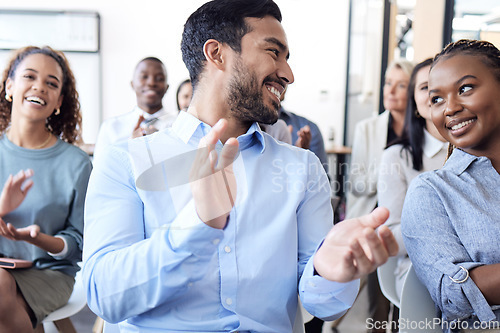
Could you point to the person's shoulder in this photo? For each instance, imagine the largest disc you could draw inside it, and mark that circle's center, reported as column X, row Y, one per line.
column 281, row 149
column 431, row 179
column 395, row 152
column 74, row 158
column 273, row 143
column 303, row 119
column 375, row 119
column 74, row 153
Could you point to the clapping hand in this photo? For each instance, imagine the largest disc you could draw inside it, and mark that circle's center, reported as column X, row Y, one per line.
column 27, row 234
column 15, row 190
column 355, row 248
column 141, row 130
column 212, row 179
column 303, row 137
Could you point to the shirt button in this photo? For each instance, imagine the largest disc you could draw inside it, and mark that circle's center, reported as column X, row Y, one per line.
column 227, row 249
column 312, row 284
column 229, row 301
column 190, row 284
column 216, row 241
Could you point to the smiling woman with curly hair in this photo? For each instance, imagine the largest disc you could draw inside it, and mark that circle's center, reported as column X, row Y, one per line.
column 67, row 123
column 45, row 180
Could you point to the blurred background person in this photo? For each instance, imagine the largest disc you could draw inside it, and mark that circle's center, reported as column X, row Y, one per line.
column 371, row 136
column 184, row 94
column 305, row 133
column 421, row 148
column 150, row 85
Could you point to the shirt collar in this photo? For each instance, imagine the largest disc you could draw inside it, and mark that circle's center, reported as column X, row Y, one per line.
column 432, row 146
column 189, row 128
column 459, row 161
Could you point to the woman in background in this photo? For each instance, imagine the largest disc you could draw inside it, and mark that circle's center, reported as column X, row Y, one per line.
column 371, row 136
column 184, row 95
column 421, row 148
column 41, row 208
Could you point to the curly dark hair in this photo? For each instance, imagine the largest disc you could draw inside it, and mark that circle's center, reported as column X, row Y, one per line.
column 488, row 53
column 68, row 124
column 224, row 21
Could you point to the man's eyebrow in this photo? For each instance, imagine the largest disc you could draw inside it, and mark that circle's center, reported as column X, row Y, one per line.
column 280, row 45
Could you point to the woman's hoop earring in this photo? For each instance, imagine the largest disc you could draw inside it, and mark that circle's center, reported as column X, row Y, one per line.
column 58, row 111
column 8, row 98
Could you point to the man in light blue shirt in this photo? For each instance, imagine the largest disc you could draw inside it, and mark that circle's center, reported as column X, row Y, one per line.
column 213, row 225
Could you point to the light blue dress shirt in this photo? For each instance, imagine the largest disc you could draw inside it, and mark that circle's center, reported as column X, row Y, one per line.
column 153, row 265
column 451, row 219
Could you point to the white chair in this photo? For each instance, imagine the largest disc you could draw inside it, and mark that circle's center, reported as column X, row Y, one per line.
column 59, row 320
column 387, row 280
column 301, row 318
column 417, row 307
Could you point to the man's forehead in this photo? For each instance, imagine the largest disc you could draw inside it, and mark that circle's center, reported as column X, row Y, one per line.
column 150, row 66
column 267, row 29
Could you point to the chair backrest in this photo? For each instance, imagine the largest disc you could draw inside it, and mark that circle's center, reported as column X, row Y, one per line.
column 387, row 280
column 301, row 318
column 417, row 311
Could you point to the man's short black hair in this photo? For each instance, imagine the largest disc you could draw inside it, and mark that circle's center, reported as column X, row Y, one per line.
column 154, row 59
column 224, row 21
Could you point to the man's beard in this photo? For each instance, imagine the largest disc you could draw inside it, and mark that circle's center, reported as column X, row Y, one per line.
column 246, row 100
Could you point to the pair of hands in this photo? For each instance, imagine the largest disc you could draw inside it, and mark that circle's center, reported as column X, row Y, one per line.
column 351, row 249
column 142, row 131
column 303, row 136
column 14, row 191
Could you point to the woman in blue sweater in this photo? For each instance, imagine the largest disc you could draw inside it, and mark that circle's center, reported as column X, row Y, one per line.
column 41, row 207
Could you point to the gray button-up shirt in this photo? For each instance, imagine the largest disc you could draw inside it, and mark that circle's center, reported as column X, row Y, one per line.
column 451, row 218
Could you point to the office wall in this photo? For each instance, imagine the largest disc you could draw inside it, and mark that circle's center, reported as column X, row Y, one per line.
column 428, row 27
column 131, row 30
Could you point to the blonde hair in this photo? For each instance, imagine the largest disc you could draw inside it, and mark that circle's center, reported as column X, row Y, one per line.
column 403, row 64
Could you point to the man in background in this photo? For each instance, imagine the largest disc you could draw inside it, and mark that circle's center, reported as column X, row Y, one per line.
column 305, row 133
column 150, row 85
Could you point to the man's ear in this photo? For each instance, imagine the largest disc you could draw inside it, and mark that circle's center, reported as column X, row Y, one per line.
column 132, row 85
column 213, row 51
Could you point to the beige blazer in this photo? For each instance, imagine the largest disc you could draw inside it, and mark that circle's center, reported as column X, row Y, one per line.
column 370, row 140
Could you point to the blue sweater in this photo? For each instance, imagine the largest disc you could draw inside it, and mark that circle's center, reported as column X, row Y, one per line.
column 55, row 202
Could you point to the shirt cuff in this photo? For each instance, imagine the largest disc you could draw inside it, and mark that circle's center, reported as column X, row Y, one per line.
column 63, row 252
column 318, row 284
column 188, row 232
column 324, row 298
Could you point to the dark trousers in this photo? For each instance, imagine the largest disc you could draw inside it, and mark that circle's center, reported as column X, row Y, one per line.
column 314, row 326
